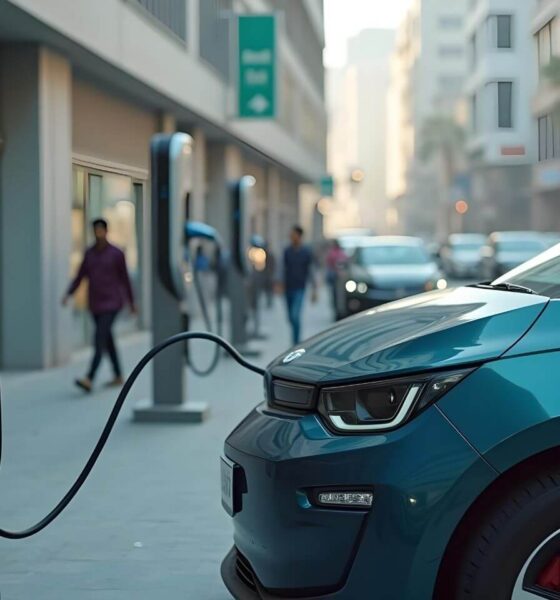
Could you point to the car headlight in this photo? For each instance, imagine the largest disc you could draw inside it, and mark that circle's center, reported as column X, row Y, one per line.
column 383, row 405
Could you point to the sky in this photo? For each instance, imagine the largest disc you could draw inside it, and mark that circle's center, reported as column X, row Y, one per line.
column 345, row 18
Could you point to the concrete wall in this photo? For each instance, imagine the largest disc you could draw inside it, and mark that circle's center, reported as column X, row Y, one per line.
column 105, row 126
column 35, row 200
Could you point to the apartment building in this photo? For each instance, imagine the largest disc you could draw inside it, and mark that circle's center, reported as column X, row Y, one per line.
column 83, row 87
column 501, row 141
column 546, row 111
column 428, row 69
column 357, row 132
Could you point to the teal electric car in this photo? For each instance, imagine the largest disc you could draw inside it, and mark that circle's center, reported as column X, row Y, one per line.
column 410, row 452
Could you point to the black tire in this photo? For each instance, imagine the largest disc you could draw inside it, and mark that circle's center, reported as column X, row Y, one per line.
column 509, row 532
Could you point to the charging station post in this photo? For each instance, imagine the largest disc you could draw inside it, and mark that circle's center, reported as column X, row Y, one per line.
column 171, row 172
column 241, row 193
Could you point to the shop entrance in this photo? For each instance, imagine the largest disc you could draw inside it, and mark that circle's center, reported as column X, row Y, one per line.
column 119, row 199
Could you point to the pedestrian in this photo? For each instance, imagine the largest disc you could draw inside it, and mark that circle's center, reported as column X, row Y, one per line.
column 335, row 260
column 297, row 274
column 104, row 266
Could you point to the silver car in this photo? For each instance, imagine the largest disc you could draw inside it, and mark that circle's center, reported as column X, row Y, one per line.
column 506, row 250
column 461, row 256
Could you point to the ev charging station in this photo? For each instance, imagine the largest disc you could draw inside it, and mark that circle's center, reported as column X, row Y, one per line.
column 241, row 197
column 171, row 169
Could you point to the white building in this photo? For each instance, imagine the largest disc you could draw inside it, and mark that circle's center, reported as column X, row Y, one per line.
column 500, row 89
column 357, row 132
column 546, row 110
column 427, row 75
column 84, row 84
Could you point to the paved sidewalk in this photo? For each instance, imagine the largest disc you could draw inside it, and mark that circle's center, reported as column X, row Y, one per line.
column 148, row 523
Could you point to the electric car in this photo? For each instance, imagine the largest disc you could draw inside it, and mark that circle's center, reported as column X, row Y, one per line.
column 409, row 452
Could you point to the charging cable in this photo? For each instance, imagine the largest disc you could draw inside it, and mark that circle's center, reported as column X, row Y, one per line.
column 82, row 477
column 219, row 319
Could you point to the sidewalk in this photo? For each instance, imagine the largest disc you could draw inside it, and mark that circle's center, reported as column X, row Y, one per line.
column 148, row 523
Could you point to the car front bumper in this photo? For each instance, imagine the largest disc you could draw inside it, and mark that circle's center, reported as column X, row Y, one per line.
column 424, row 477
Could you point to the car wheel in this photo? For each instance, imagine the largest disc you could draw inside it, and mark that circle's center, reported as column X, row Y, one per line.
column 514, row 553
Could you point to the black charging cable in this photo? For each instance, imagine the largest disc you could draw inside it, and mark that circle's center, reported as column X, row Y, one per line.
column 219, row 319
column 69, row 496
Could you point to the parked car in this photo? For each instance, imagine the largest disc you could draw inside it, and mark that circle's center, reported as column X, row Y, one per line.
column 460, row 256
column 551, row 238
column 506, row 250
column 408, row 453
column 385, row 268
column 348, row 242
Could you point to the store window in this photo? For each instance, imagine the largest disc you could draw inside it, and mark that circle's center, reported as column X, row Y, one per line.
column 118, row 199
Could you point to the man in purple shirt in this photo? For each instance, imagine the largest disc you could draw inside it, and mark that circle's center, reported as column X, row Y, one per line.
column 104, row 266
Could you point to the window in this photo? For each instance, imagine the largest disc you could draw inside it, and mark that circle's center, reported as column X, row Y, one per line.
column 544, row 44
column 505, row 104
column 450, row 51
column 474, row 113
column 500, row 31
column 450, row 22
column 214, row 27
column 450, row 83
column 473, row 50
column 541, row 274
column 172, row 14
column 549, row 138
column 504, row 31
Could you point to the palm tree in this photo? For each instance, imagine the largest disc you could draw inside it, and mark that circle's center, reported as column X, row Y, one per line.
column 441, row 138
column 552, row 71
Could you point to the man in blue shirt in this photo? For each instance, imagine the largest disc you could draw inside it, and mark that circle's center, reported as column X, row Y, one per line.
column 298, row 272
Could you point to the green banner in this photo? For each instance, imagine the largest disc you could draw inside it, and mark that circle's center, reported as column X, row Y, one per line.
column 257, row 66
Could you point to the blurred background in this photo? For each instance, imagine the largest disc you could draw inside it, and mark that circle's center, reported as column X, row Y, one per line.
column 429, row 119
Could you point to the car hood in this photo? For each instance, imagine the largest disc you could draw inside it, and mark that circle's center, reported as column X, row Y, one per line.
column 430, row 331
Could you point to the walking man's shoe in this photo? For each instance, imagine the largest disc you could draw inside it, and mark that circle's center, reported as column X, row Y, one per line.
column 85, row 384
column 116, row 382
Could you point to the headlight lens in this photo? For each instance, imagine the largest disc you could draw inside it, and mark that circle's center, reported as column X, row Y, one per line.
column 384, row 405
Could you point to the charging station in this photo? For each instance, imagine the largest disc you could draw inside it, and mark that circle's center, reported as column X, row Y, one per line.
column 171, row 170
column 241, row 198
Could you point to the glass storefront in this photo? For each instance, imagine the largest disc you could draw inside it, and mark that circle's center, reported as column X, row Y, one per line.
column 118, row 199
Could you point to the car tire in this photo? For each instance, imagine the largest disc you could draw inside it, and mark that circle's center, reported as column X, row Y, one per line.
column 499, row 549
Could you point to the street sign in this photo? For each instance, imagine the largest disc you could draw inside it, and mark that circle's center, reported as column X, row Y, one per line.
column 257, row 66
column 327, row 186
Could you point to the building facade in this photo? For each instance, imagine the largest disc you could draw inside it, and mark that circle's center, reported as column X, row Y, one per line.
column 357, row 132
column 83, row 87
column 546, row 111
column 500, row 89
column 428, row 69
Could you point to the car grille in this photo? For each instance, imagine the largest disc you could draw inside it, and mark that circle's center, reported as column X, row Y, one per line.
column 296, row 396
column 245, row 572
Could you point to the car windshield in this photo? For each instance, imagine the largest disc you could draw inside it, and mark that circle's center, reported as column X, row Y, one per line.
column 542, row 274
column 519, row 246
column 392, row 255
